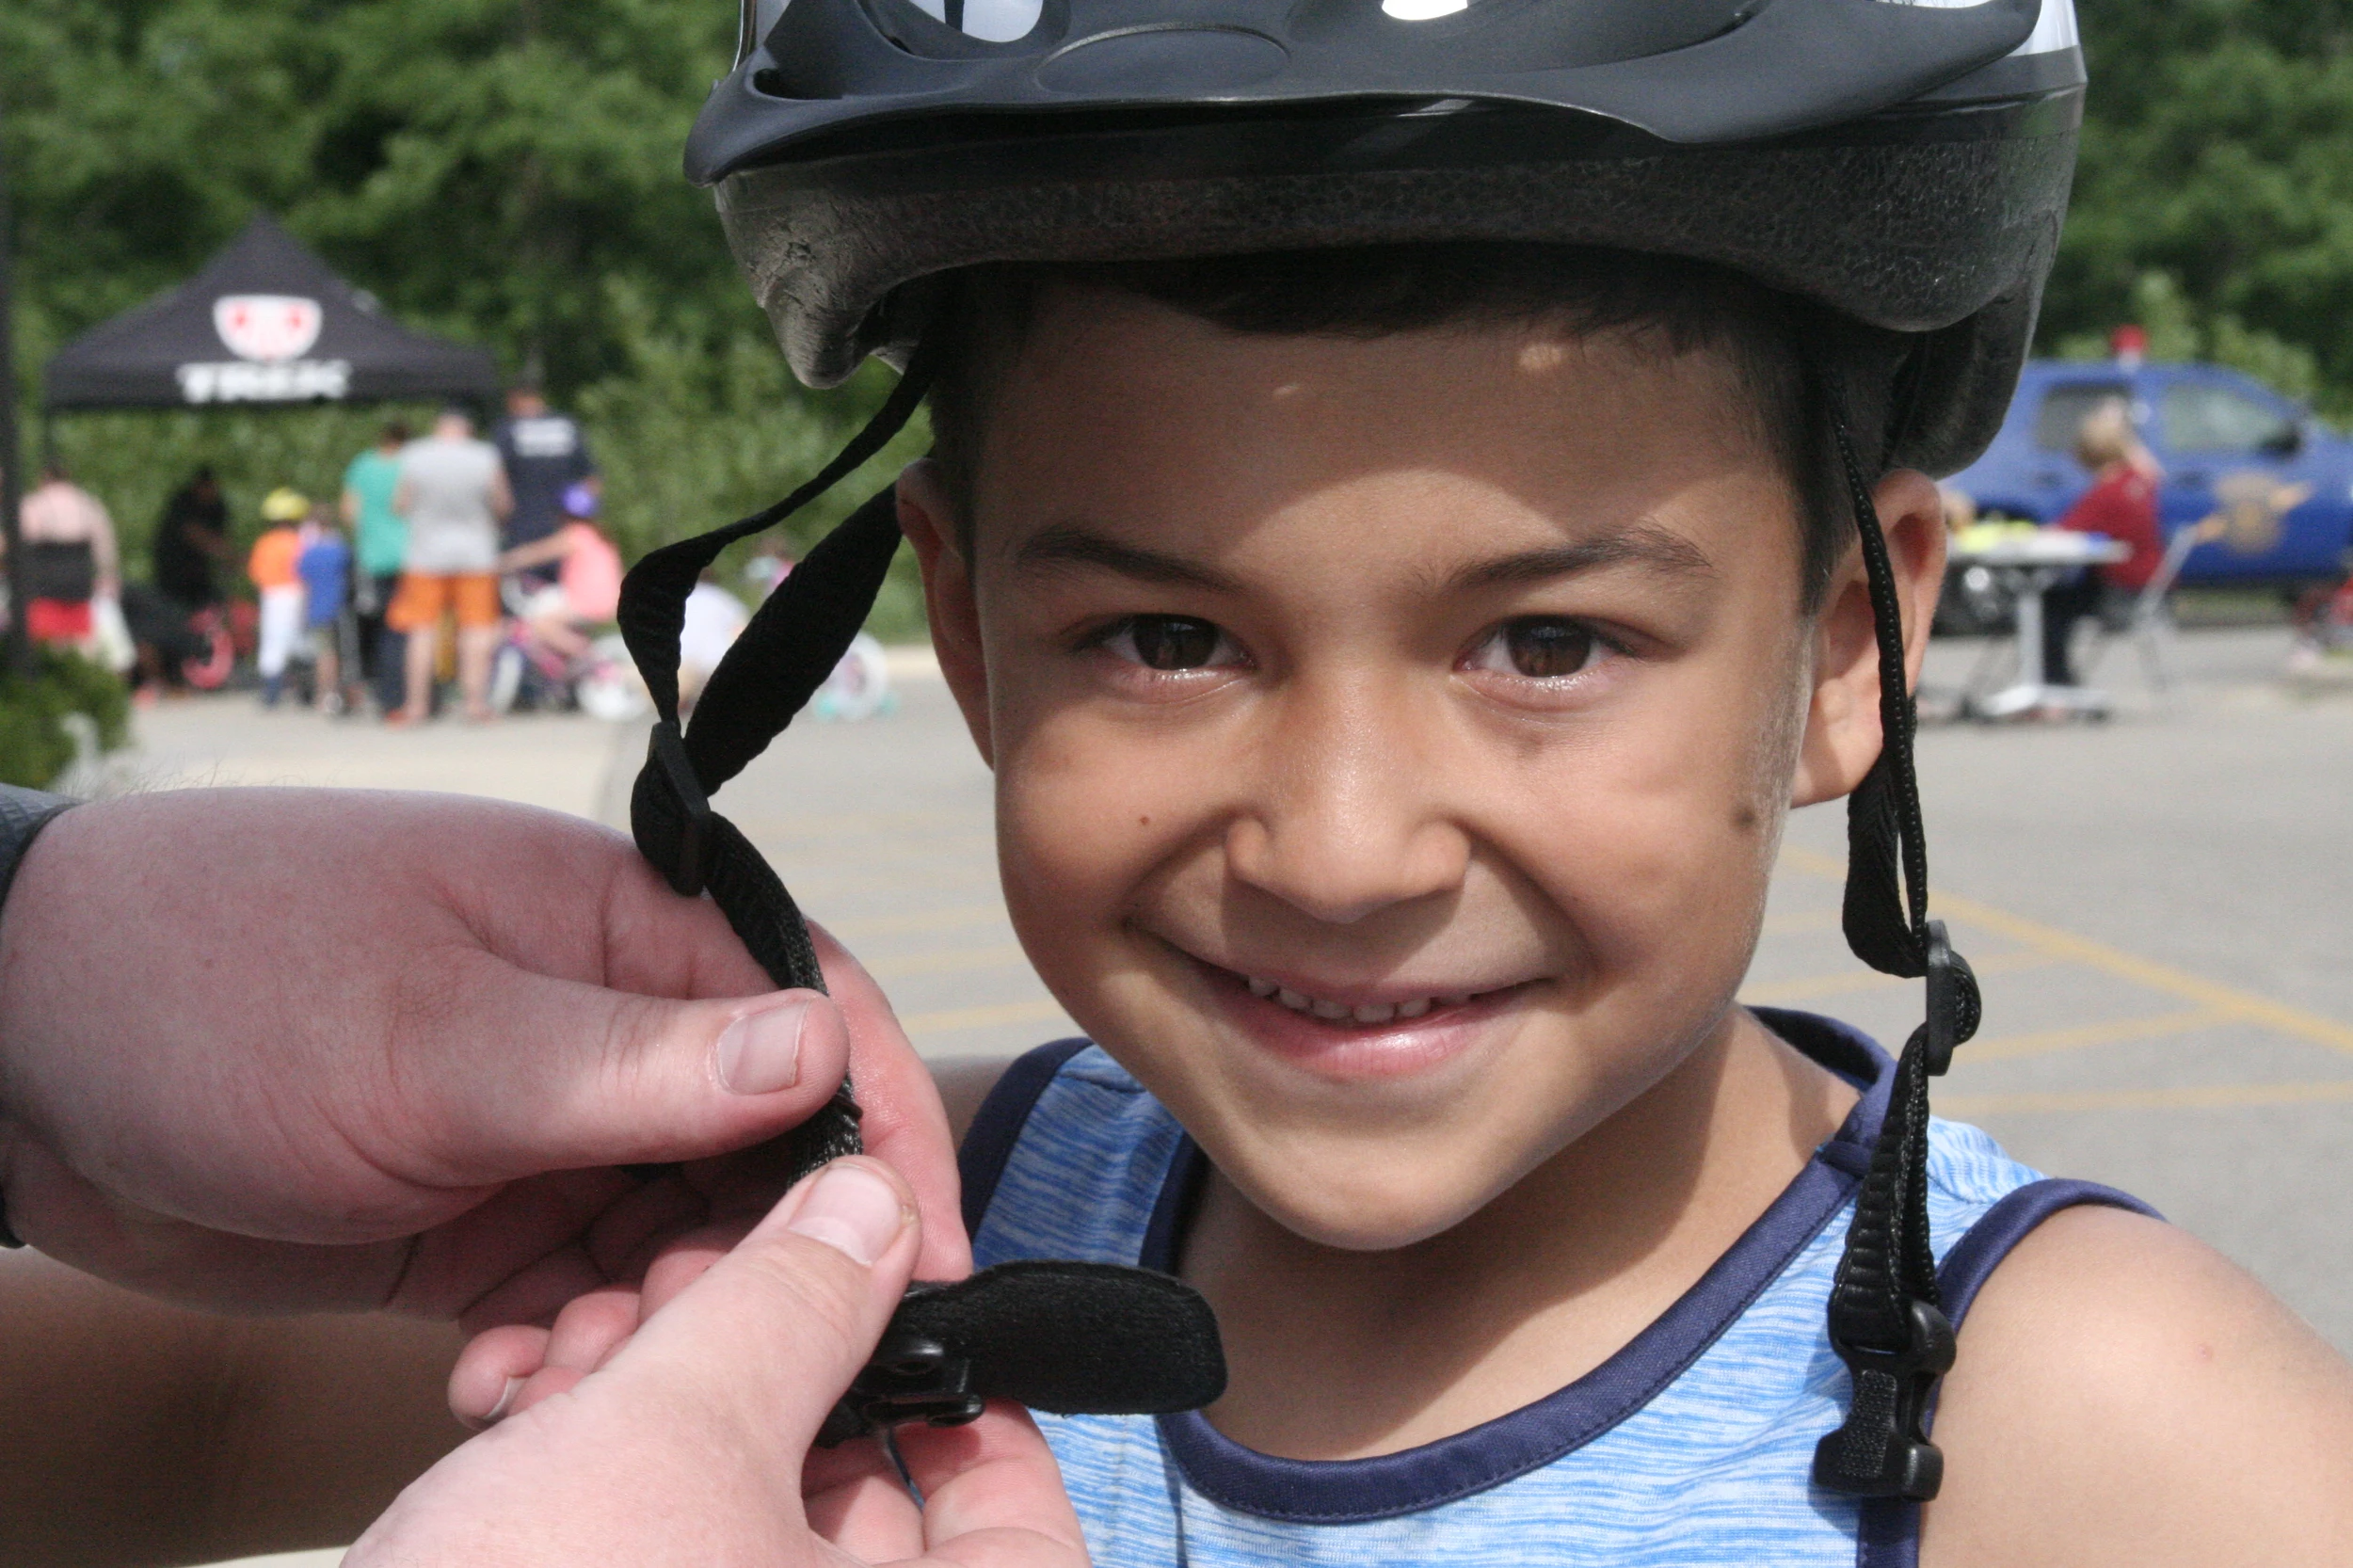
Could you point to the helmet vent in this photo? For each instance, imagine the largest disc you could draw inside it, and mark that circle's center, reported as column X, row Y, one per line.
column 1422, row 11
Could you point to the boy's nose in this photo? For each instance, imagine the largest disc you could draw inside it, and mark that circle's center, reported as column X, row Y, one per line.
column 1343, row 820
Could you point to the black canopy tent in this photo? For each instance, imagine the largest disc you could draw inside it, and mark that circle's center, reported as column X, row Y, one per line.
column 267, row 323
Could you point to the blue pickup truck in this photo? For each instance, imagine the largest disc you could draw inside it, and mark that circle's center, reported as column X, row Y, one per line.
column 2281, row 482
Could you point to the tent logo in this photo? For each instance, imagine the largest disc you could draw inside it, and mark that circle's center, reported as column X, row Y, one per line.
column 267, row 328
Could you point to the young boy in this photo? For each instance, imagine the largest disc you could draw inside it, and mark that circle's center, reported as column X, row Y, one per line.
column 1393, row 725
column 1398, row 643
column 325, row 569
column 273, row 567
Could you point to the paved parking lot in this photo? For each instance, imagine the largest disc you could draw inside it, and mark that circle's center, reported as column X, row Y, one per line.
column 2158, row 906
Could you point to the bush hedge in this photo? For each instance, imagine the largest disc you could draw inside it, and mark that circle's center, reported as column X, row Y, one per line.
column 36, row 742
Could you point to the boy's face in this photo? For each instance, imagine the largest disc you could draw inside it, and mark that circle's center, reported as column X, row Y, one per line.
column 1449, row 684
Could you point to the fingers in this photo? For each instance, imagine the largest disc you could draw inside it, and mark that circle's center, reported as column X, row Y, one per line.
column 905, row 1122
column 492, row 1369
column 584, row 1076
column 855, row 1499
column 797, row 1307
column 992, row 1492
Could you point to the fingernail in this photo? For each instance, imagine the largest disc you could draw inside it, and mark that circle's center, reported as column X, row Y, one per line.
column 506, row 1399
column 760, row 1052
column 852, row 1211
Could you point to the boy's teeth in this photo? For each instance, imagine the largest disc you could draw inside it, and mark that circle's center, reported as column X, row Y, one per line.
column 1370, row 1013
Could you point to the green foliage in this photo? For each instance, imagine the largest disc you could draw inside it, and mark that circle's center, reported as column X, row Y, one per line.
column 2218, row 159
column 692, row 437
column 2178, row 330
column 487, row 167
column 36, row 742
column 504, row 171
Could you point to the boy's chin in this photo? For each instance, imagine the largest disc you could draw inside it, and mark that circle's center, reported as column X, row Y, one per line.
column 1350, row 1208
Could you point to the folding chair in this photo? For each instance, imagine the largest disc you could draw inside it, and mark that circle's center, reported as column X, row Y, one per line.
column 2150, row 622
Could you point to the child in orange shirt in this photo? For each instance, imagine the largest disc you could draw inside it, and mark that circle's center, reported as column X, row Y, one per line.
column 273, row 567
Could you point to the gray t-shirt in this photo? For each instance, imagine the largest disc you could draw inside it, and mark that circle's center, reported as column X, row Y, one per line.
column 452, row 526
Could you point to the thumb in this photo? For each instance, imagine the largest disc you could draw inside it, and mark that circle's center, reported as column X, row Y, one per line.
column 773, row 1332
column 520, row 1073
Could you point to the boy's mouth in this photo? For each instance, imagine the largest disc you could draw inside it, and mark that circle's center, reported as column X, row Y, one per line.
column 1367, row 1014
column 1356, row 1007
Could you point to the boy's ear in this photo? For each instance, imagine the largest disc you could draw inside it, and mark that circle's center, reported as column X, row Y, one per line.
column 1842, row 721
column 929, row 517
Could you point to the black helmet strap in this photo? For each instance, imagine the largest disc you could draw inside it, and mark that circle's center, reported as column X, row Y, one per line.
column 1070, row 1338
column 1886, row 1322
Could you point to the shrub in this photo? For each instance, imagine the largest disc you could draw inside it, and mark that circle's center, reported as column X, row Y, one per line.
column 36, row 742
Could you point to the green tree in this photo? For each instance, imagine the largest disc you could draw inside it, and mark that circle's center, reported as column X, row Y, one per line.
column 506, row 171
column 2218, row 159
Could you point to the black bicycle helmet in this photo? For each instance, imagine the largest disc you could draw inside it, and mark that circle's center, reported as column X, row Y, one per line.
column 1905, row 165
column 1902, row 165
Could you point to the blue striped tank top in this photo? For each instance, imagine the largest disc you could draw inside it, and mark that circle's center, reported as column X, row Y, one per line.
column 1691, row 1446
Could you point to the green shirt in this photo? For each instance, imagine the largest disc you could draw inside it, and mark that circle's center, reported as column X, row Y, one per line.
column 383, row 536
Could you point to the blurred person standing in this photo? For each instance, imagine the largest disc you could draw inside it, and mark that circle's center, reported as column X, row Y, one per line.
column 69, row 559
column 191, row 540
column 2121, row 505
column 380, row 538
column 453, row 492
column 274, row 566
column 545, row 455
column 325, row 568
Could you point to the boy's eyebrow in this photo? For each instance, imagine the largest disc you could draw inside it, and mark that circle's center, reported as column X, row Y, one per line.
column 1069, row 545
column 1646, row 545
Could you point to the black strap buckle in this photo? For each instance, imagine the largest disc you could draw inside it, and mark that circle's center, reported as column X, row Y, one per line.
column 1882, row 1450
column 911, row 1377
column 666, row 752
column 1954, row 1005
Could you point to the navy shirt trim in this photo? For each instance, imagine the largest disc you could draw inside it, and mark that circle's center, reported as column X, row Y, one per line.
column 1890, row 1532
column 1354, row 1491
column 996, row 1128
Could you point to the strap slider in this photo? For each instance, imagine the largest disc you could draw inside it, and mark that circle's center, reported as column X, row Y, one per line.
column 911, row 1377
column 666, row 752
column 1954, row 1005
column 1883, row 1450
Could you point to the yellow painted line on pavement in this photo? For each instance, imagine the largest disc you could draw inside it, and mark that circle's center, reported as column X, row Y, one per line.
column 997, row 955
column 916, row 920
column 2115, row 1031
column 1039, row 1011
column 2070, row 947
column 2203, row 1097
column 1774, row 993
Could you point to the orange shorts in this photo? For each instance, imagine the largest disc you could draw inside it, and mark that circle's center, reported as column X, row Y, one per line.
column 421, row 598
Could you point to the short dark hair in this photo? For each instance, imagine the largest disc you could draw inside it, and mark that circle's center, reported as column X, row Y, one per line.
column 396, row 433
column 1373, row 291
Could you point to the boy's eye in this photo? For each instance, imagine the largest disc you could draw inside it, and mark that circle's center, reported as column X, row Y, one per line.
column 1171, row 643
column 1540, row 647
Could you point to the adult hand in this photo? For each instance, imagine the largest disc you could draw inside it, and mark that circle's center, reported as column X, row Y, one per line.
column 676, row 1428
column 290, row 1050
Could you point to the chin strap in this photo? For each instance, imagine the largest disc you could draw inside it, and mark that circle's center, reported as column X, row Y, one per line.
column 1067, row 1338
column 1886, row 1322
